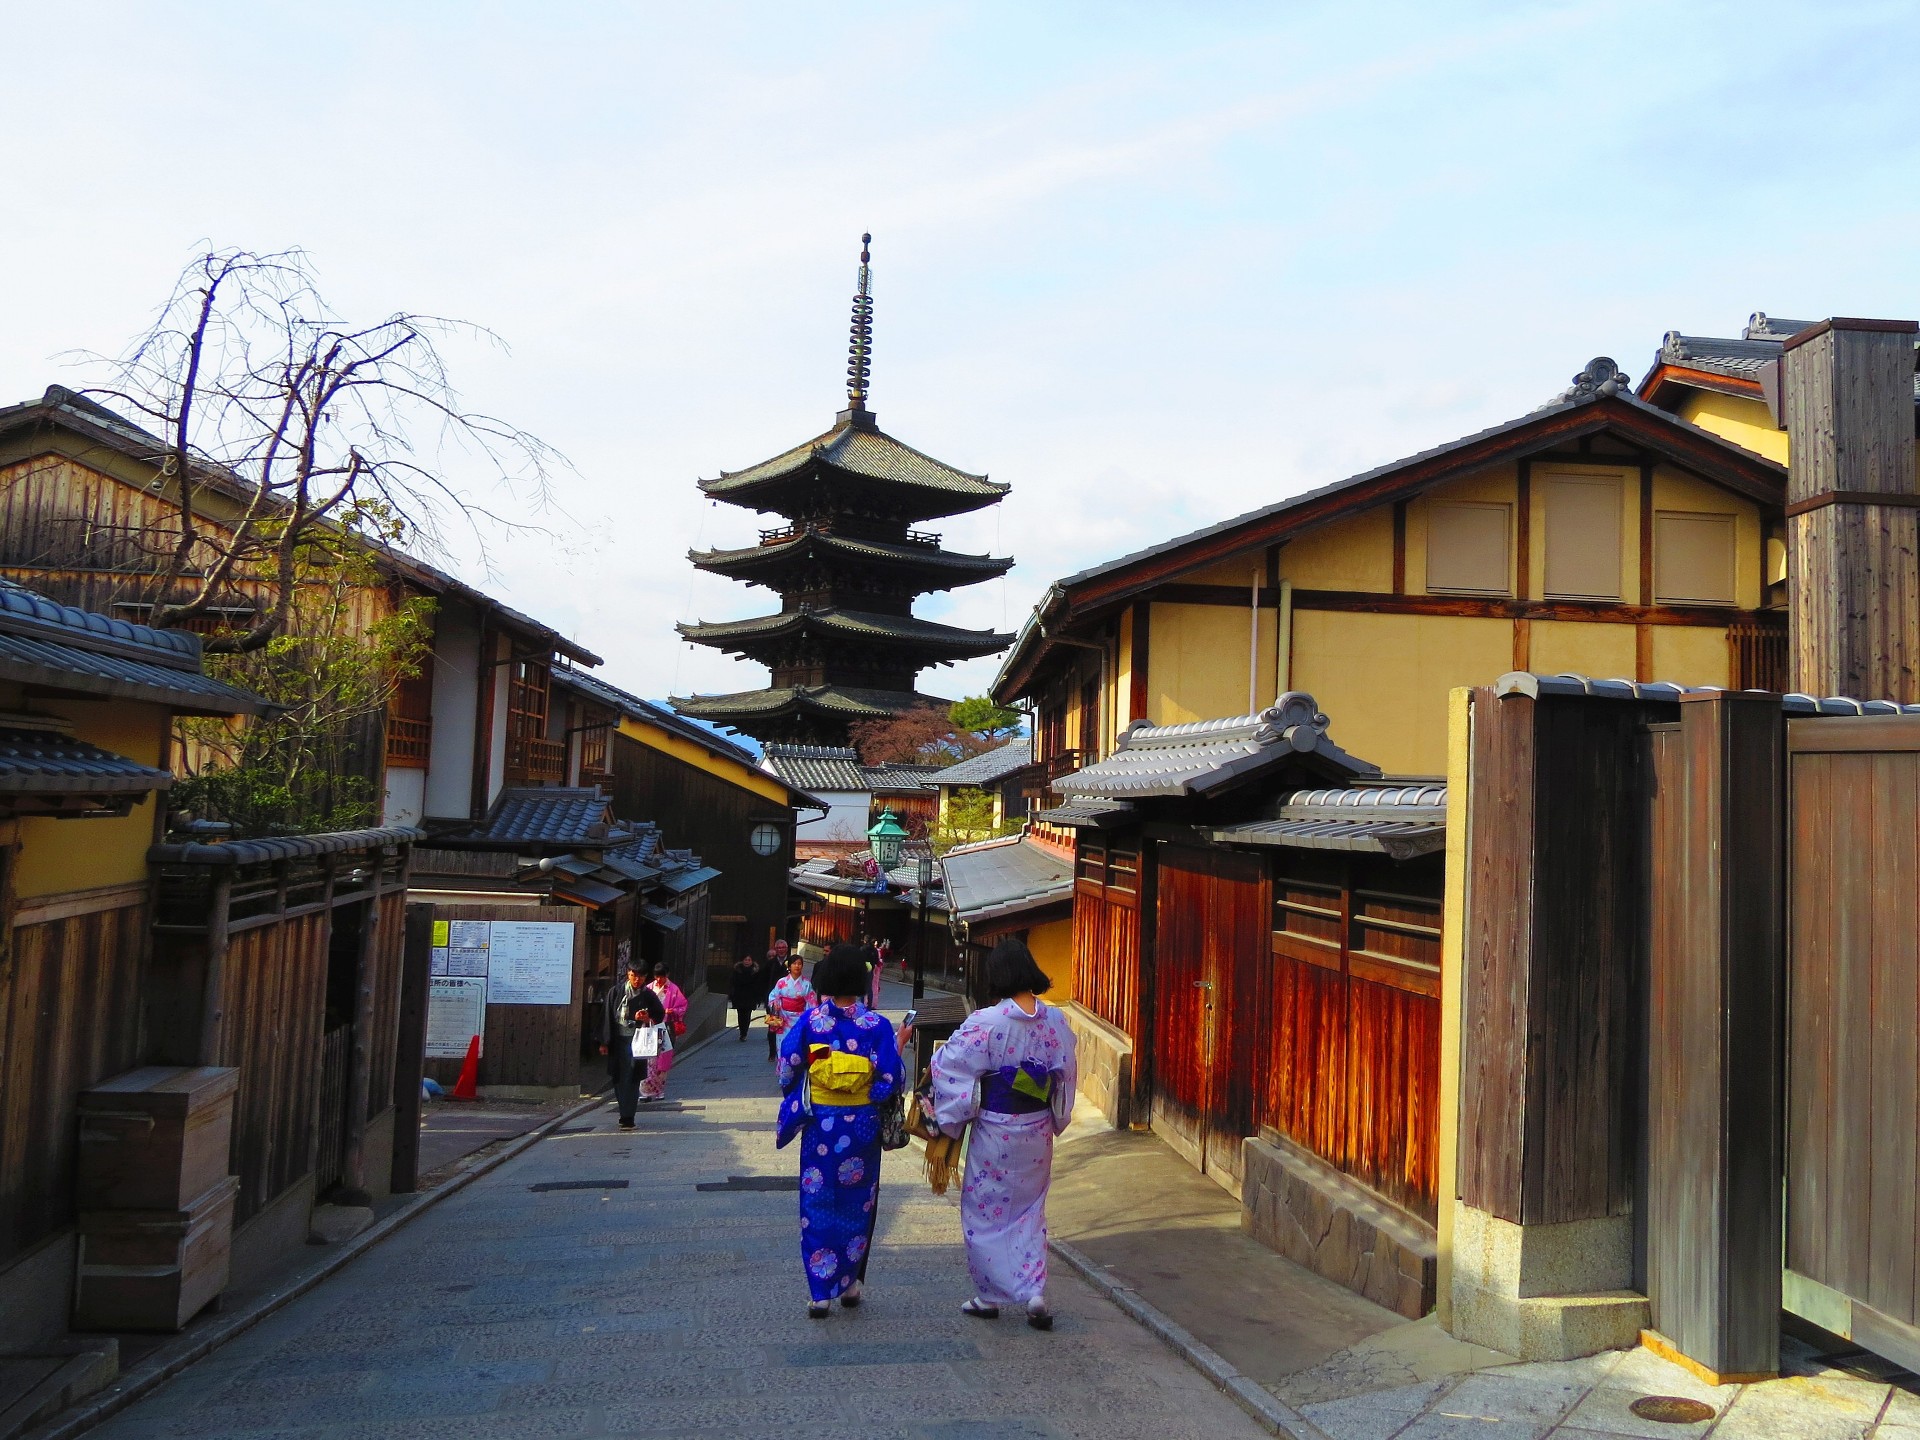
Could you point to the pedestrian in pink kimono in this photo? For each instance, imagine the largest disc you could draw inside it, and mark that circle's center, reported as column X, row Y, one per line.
column 673, row 1000
column 1010, row 1070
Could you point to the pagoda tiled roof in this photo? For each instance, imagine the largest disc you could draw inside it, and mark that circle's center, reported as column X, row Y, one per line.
column 817, row 767
column 842, row 702
column 814, row 544
column 849, row 624
column 859, row 447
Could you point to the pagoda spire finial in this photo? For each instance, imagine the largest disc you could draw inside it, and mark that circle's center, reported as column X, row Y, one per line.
column 860, row 347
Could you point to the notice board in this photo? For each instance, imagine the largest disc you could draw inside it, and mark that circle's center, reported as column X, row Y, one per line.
column 529, row 961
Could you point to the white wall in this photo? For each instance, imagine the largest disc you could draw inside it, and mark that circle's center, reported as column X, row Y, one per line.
column 456, row 659
column 406, row 797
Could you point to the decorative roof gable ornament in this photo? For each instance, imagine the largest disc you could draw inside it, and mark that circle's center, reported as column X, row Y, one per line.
column 1601, row 377
column 1295, row 720
column 860, row 339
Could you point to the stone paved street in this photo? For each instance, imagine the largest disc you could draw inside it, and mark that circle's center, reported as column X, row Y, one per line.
column 663, row 1310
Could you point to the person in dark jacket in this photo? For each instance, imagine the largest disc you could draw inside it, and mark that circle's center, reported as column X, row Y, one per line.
column 628, row 1007
column 746, row 991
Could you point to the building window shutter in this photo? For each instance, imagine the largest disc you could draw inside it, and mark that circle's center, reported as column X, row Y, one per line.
column 1693, row 559
column 1468, row 550
column 1583, row 536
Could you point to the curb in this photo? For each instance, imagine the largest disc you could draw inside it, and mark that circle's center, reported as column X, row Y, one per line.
column 164, row 1363
column 1272, row 1413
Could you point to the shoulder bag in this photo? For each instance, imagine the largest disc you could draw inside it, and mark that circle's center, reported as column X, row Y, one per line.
column 646, row 1041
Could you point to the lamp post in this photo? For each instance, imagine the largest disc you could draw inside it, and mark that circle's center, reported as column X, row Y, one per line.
column 923, row 876
column 886, row 835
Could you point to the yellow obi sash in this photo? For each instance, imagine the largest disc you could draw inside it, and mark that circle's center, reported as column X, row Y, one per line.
column 836, row 1077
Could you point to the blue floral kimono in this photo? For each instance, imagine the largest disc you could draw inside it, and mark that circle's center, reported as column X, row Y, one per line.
column 837, row 1067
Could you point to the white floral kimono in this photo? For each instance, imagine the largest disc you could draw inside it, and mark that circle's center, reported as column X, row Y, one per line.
column 1012, row 1074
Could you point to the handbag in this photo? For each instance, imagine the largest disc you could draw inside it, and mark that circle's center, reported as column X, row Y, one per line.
column 894, row 1133
column 646, row 1042
column 664, row 1043
column 916, row 1122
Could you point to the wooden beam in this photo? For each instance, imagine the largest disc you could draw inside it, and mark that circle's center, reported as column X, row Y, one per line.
column 1643, row 652
column 1137, row 699
column 416, row 973
column 1523, row 644
column 1234, row 595
column 1400, row 547
column 1523, row 539
column 1606, row 612
column 1646, row 535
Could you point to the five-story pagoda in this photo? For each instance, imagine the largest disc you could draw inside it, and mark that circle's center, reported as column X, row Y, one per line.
column 845, row 645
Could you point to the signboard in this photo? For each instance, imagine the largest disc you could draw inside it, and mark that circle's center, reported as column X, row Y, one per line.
column 456, row 1012
column 530, row 962
column 466, row 946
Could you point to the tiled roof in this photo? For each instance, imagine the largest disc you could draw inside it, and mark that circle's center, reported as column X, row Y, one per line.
column 1760, row 342
column 77, row 651
column 550, row 815
column 1400, row 821
column 1085, row 810
column 813, row 543
column 1176, row 760
column 854, row 624
column 816, row 767
column 1003, row 877
column 828, row 699
column 860, row 449
column 990, row 765
column 45, row 762
column 895, row 776
column 284, row 847
column 1518, row 682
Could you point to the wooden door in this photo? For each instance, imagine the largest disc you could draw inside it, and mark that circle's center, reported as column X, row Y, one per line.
column 1853, row 1029
column 1210, row 955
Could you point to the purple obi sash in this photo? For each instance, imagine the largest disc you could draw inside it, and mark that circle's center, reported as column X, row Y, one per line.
column 1016, row 1090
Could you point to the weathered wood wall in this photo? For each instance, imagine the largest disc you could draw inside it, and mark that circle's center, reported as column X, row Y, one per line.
column 535, row 1045
column 1552, row 971
column 1106, row 932
column 1853, row 1024
column 69, row 1017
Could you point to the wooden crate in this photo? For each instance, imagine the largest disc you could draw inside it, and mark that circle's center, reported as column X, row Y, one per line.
column 153, row 1269
column 156, row 1138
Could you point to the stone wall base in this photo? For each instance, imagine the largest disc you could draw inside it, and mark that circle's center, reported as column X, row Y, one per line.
column 1104, row 1054
column 1545, row 1292
column 1297, row 1204
column 265, row 1241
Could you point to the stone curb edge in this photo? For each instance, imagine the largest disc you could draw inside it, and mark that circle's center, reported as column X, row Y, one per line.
column 164, row 1365
column 1265, row 1407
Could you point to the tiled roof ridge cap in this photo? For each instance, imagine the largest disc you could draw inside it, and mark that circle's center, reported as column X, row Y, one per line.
column 1372, row 797
column 1294, row 711
column 1531, row 685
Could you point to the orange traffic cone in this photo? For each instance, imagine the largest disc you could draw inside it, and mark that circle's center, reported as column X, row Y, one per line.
column 468, row 1085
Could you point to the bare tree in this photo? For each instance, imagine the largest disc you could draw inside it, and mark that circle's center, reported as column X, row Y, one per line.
column 314, row 432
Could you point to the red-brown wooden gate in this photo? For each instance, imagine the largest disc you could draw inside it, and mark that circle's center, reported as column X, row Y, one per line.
column 1210, row 958
column 1853, row 1029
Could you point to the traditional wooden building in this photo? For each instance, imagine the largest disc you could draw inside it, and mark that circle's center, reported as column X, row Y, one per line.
column 1004, row 778
column 146, row 975
column 88, row 516
column 845, row 645
column 1599, row 534
column 1016, row 886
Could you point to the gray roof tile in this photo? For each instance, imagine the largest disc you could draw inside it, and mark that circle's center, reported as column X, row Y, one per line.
column 550, row 815
column 43, row 762
column 817, row 767
column 990, row 766
column 284, row 847
column 859, row 450
column 1400, row 821
column 1003, row 877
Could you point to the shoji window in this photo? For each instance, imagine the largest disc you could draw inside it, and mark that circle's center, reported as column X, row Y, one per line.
column 1582, row 515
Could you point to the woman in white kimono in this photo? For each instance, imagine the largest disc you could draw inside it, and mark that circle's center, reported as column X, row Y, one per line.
column 1010, row 1070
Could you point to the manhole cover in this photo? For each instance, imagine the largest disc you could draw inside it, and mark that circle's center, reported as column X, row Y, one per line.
column 1671, row 1410
column 752, row 1182
column 545, row 1185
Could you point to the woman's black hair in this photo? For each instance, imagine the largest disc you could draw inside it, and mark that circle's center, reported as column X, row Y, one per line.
column 659, row 969
column 1011, row 970
column 843, row 972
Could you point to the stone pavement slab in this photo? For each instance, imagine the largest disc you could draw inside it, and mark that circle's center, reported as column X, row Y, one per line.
column 664, row 1310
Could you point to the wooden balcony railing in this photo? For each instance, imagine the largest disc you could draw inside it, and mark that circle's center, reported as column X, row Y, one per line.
column 408, row 742
column 1038, row 780
column 532, row 761
column 852, row 530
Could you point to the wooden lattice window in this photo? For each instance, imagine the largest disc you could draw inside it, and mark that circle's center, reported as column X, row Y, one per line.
column 532, row 759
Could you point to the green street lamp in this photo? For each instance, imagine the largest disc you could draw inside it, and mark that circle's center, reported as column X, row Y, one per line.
column 886, row 835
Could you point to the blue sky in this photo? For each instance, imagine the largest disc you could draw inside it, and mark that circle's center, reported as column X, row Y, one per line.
column 1152, row 264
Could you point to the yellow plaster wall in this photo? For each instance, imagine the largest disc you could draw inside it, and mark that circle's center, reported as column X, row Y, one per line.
column 1737, row 418
column 1453, row 949
column 60, row 855
column 1500, row 485
column 1691, row 655
column 1198, row 662
column 1351, row 554
column 1383, row 679
column 1052, row 947
column 1676, row 490
column 1238, row 572
column 1573, row 647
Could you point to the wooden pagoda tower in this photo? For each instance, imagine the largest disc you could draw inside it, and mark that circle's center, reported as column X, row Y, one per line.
column 845, row 645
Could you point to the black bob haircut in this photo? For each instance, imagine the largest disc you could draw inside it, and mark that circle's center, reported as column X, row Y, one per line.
column 1011, row 970
column 843, row 972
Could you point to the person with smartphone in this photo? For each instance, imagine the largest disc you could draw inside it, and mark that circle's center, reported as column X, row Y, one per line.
column 628, row 1007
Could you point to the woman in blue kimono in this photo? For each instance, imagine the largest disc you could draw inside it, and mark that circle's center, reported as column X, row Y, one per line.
column 839, row 1063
